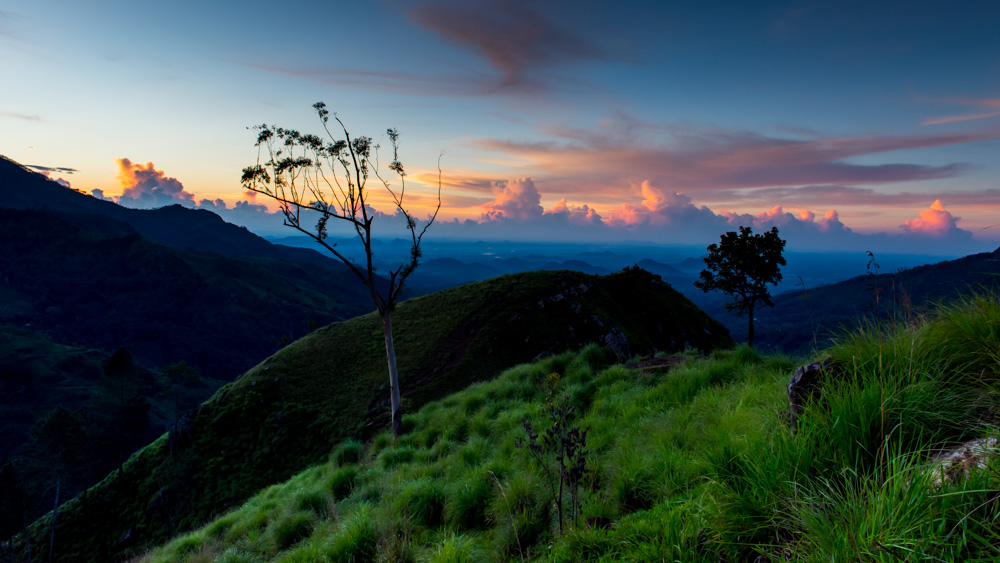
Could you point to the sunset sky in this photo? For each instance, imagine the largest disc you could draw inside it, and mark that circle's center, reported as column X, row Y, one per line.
column 843, row 123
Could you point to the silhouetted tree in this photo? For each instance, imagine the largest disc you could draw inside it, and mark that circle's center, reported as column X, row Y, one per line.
column 293, row 175
column 743, row 265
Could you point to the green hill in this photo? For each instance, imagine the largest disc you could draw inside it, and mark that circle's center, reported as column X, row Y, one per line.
column 695, row 462
column 289, row 411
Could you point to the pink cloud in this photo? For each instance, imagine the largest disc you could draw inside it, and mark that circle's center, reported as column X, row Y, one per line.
column 60, row 181
column 934, row 220
column 621, row 153
column 515, row 199
column 576, row 215
column 974, row 102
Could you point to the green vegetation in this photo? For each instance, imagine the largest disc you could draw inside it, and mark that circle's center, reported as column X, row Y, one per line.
column 292, row 410
column 692, row 463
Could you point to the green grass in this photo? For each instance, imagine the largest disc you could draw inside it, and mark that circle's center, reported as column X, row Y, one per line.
column 692, row 464
column 320, row 397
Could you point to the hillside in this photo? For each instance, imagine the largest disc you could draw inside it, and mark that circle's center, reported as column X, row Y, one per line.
column 895, row 459
column 287, row 412
column 93, row 281
column 829, row 309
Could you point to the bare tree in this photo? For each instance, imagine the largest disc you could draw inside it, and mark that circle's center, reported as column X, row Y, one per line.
column 305, row 174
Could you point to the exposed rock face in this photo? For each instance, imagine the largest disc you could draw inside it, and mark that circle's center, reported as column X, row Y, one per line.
column 806, row 383
column 618, row 343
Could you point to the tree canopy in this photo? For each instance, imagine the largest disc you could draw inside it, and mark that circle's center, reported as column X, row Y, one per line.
column 743, row 265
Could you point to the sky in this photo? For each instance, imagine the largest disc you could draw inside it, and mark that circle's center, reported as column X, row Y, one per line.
column 848, row 125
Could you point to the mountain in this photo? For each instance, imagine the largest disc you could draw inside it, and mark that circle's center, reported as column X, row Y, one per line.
column 831, row 309
column 288, row 411
column 94, row 281
column 174, row 226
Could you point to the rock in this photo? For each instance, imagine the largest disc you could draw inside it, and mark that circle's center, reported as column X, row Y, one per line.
column 806, row 383
column 952, row 466
column 618, row 343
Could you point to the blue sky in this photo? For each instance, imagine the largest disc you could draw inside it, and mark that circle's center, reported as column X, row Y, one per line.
column 866, row 122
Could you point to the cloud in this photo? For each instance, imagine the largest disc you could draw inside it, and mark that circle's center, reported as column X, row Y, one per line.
column 620, row 153
column 99, row 194
column 935, row 221
column 840, row 195
column 145, row 186
column 515, row 199
column 21, row 116
column 523, row 44
column 666, row 216
column 573, row 214
column 515, row 37
column 982, row 103
column 47, row 172
column 45, row 169
column 661, row 207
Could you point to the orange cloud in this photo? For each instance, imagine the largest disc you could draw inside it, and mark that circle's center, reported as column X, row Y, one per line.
column 145, row 186
column 934, row 220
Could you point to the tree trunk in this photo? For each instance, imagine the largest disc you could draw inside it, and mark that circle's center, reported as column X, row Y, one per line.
column 52, row 534
column 390, row 354
column 750, row 327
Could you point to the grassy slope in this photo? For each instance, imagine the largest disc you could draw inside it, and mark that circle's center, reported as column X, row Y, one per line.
column 692, row 464
column 287, row 412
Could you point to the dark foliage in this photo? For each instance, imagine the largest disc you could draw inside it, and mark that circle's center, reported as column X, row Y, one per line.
column 743, row 266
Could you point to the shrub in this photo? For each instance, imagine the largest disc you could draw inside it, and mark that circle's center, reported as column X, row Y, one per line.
column 341, row 481
column 290, row 529
column 356, row 540
column 348, row 452
column 467, row 500
column 423, row 501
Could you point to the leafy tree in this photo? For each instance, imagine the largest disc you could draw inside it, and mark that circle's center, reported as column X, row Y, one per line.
column 326, row 179
column 743, row 265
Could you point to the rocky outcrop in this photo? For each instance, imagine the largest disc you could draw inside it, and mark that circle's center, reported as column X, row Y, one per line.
column 805, row 385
